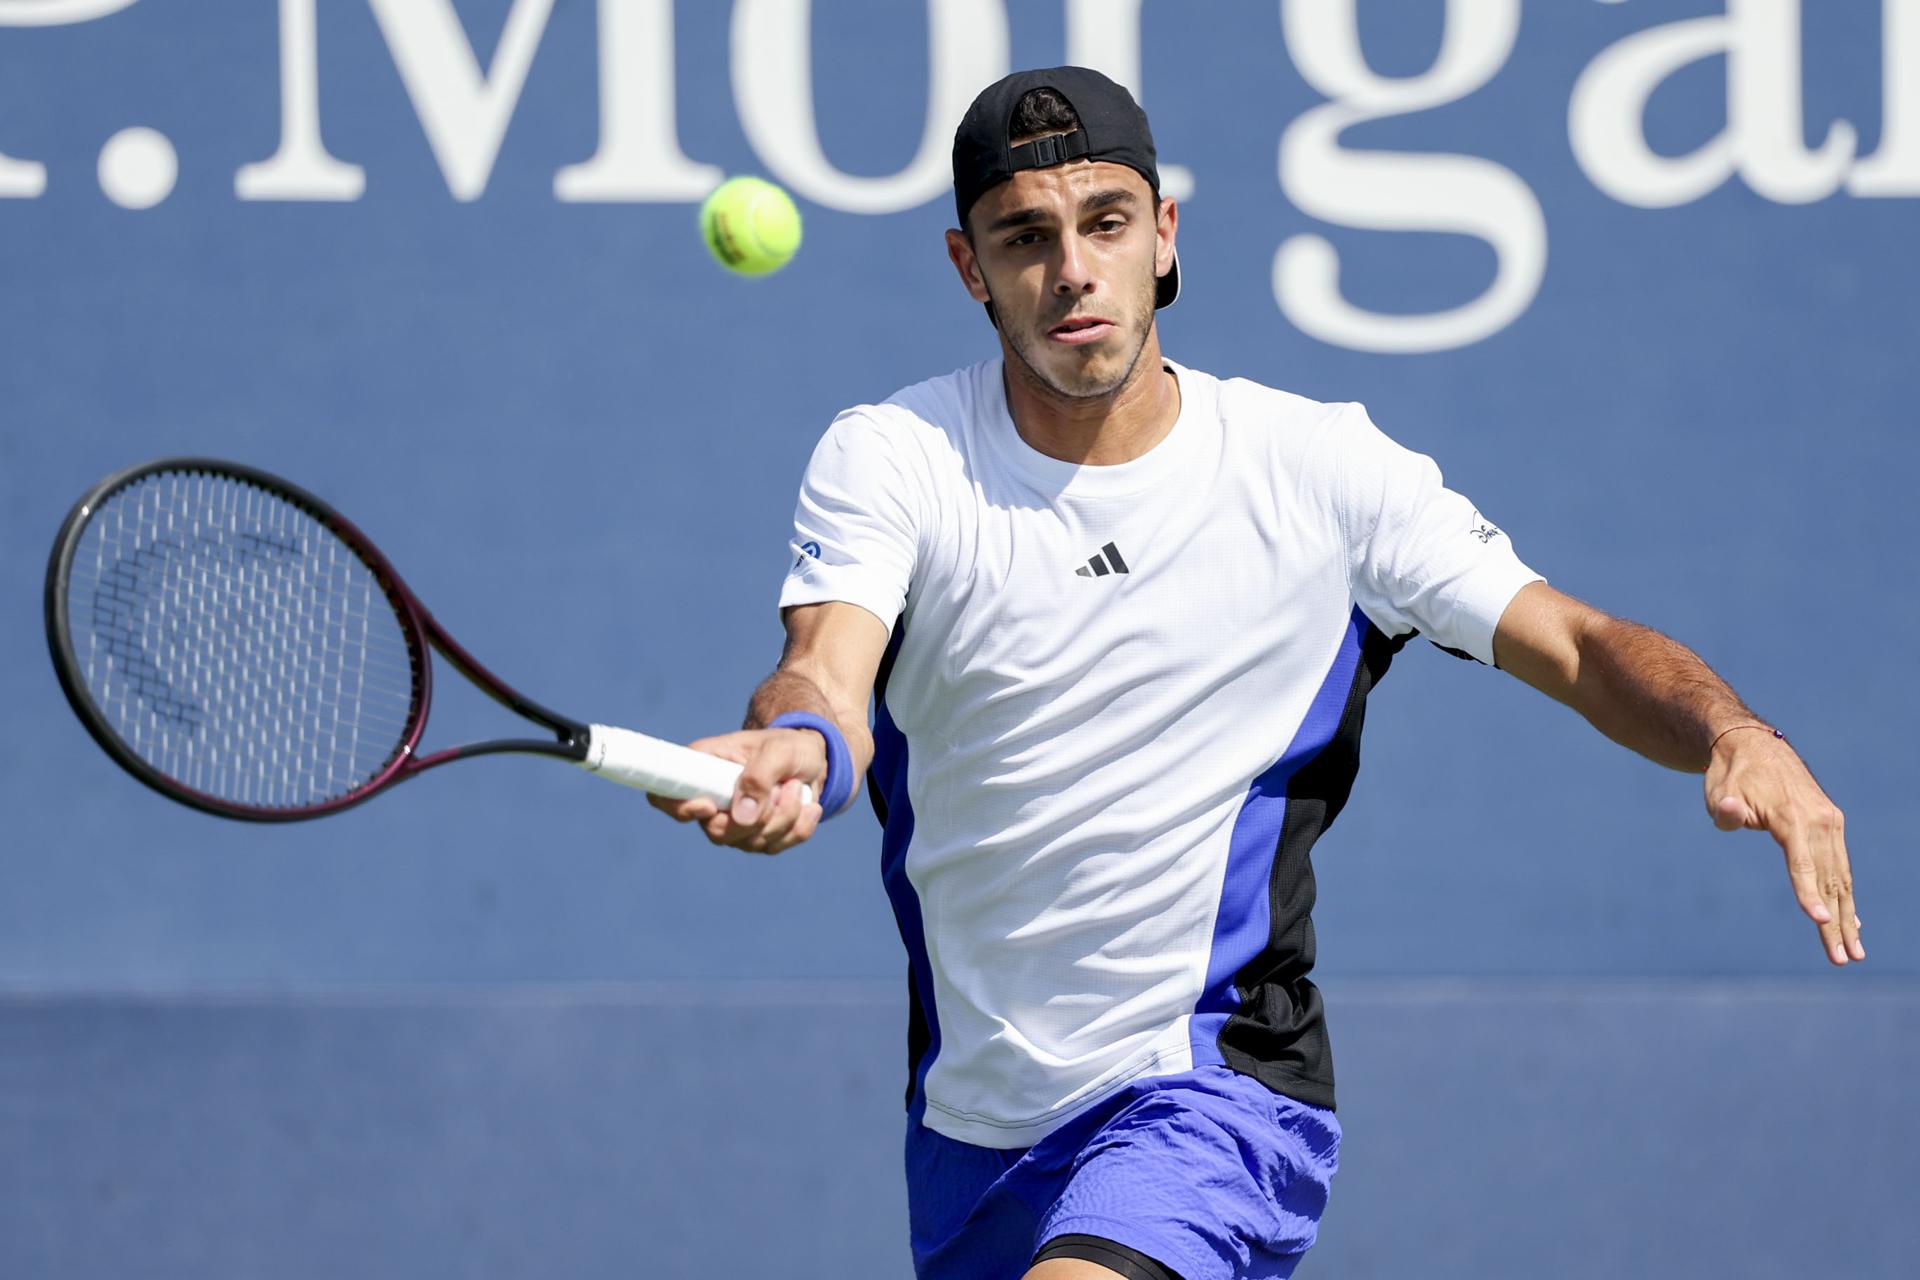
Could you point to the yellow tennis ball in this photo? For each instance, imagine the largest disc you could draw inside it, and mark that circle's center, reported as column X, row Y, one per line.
column 750, row 226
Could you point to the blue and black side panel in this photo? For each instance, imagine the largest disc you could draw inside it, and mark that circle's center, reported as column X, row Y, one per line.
column 887, row 787
column 1259, row 1013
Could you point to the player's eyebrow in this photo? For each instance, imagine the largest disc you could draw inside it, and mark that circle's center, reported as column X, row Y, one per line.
column 1096, row 201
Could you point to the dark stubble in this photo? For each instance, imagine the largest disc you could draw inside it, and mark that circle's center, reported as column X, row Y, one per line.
column 1027, row 347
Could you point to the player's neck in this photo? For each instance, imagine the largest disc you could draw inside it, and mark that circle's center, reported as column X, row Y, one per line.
column 1100, row 431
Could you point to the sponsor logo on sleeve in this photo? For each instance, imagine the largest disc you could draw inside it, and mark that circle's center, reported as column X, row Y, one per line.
column 1483, row 528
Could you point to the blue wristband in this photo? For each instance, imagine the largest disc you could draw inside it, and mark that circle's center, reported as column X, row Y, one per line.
column 836, row 789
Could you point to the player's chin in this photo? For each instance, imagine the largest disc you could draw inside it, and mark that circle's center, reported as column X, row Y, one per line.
column 1083, row 373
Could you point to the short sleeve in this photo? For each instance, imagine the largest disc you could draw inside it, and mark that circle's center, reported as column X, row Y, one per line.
column 1421, row 556
column 855, row 527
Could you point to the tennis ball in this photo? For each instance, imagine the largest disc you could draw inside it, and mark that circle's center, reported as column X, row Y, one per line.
column 750, row 226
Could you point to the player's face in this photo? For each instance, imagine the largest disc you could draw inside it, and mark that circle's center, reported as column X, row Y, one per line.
column 1069, row 256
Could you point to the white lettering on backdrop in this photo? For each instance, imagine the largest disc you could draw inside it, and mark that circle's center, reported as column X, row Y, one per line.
column 300, row 169
column 56, row 13
column 27, row 179
column 465, row 110
column 1760, row 41
column 21, row 179
column 1763, row 138
column 773, row 91
column 639, row 158
column 1105, row 35
column 1894, row 170
column 1398, row 190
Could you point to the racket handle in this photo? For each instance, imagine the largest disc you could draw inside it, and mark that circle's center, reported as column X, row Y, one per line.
column 662, row 768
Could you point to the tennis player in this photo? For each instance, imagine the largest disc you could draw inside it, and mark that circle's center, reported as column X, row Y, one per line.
column 1118, row 619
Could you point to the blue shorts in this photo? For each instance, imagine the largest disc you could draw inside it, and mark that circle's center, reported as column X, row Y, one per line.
column 1207, row 1172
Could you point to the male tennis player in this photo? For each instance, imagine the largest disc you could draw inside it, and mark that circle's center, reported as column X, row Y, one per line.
column 1119, row 619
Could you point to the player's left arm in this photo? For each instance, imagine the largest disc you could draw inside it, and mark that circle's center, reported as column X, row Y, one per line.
column 1656, row 696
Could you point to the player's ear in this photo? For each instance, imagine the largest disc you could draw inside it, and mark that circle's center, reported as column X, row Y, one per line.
column 1165, row 227
column 967, row 263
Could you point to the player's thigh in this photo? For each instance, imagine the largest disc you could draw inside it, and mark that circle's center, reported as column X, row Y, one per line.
column 1069, row 1269
column 1085, row 1257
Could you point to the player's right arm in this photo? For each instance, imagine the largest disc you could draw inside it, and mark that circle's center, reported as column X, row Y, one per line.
column 832, row 655
column 855, row 541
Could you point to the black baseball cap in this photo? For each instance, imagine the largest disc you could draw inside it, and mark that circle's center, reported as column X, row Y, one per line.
column 1112, row 128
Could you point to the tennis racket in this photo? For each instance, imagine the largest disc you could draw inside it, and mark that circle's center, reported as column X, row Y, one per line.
column 240, row 647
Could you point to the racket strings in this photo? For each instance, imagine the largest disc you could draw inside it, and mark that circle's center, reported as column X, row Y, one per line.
column 235, row 644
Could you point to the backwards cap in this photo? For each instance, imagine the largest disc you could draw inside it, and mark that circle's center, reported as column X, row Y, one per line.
column 1112, row 128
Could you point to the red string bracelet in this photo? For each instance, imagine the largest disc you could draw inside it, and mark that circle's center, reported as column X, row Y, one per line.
column 1724, row 732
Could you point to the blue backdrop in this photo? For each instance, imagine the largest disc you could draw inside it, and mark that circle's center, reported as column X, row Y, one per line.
column 1640, row 276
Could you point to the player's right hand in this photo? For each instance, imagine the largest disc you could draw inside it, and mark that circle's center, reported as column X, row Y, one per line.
column 766, row 814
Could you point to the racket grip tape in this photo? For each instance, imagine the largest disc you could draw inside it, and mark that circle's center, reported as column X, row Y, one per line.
column 662, row 768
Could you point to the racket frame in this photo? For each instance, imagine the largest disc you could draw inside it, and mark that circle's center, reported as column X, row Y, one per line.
column 419, row 627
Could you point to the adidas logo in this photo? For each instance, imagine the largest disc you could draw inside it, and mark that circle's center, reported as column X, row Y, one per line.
column 1097, row 567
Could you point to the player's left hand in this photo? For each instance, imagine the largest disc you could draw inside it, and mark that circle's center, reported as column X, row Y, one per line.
column 1756, row 780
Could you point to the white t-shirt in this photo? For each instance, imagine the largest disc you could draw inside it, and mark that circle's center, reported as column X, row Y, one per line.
column 1119, row 704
